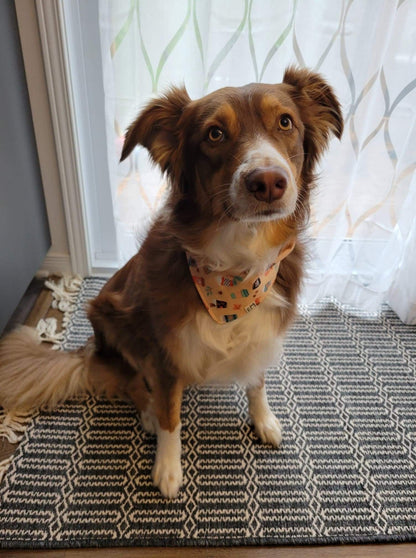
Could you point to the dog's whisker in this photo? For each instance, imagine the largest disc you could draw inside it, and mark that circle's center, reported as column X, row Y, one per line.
column 297, row 155
column 238, row 159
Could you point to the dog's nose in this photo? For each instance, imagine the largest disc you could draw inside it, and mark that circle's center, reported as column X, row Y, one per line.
column 267, row 184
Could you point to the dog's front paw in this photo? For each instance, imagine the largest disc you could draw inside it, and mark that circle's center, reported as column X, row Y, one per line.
column 167, row 470
column 167, row 476
column 268, row 429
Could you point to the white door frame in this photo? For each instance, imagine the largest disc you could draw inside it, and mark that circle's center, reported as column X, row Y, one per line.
column 87, row 200
column 57, row 78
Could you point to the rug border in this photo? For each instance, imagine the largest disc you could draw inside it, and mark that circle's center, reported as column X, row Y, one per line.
column 229, row 542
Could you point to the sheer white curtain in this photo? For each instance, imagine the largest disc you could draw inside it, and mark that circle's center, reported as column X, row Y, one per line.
column 363, row 220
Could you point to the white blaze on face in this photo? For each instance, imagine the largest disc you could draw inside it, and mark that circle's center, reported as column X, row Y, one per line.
column 262, row 153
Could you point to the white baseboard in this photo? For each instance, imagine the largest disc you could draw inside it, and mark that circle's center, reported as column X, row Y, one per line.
column 55, row 262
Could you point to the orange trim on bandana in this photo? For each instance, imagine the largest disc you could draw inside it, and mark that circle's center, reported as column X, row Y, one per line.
column 228, row 296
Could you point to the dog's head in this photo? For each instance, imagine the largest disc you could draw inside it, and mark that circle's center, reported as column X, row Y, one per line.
column 240, row 153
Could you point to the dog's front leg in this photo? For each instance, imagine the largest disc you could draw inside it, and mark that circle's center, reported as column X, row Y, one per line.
column 167, row 470
column 266, row 425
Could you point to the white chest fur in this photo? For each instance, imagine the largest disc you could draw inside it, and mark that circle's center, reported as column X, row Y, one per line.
column 207, row 351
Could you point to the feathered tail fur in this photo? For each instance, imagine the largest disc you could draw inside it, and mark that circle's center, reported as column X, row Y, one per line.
column 34, row 376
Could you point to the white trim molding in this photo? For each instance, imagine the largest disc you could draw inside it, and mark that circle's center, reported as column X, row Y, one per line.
column 53, row 38
column 56, row 263
column 42, row 124
column 84, row 56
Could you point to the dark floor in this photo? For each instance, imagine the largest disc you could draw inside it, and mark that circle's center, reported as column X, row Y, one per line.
column 25, row 305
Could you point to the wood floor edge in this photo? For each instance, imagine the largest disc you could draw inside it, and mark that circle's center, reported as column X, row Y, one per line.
column 398, row 550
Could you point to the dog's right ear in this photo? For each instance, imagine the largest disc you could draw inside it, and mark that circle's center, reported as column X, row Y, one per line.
column 156, row 128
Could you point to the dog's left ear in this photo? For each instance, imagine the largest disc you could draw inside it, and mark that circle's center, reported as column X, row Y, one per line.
column 157, row 129
column 320, row 110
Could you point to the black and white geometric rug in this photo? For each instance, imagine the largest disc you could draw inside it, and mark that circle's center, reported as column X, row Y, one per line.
column 345, row 392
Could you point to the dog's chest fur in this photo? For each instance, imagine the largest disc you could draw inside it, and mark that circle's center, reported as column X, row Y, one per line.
column 205, row 350
column 208, row 351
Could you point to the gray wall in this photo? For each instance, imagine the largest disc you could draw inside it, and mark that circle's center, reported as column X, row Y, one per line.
column 24, row 233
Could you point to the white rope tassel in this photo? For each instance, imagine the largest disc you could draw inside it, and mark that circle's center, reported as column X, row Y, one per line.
column 13, row 425
column 47, row 330
column 4, row 465
column 64, row 294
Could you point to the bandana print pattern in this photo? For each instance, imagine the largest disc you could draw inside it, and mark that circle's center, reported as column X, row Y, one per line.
column 228, row 297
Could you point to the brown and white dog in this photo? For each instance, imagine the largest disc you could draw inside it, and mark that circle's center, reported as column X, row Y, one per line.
column 240, row 163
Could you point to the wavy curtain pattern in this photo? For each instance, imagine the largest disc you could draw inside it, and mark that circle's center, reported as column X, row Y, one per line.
column 363, row 218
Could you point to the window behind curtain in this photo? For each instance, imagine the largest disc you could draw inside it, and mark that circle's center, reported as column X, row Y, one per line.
column 363, row 213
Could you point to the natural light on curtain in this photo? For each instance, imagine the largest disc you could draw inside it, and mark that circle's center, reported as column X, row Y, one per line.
column 363, row 219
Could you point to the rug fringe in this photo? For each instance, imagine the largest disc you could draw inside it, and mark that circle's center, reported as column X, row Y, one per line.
column 4, row 465
column 13, row 425
column 64, row 294
column 47, row 331
column 65, row 291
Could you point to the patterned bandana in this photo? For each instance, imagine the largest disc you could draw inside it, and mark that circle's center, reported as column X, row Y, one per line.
column 227, row 296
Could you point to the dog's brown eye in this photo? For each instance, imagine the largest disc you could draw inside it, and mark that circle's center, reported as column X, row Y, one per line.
column 215, row 134
column 285, row 122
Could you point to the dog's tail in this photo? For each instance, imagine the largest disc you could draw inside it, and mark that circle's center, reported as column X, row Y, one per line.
column 33, row 376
